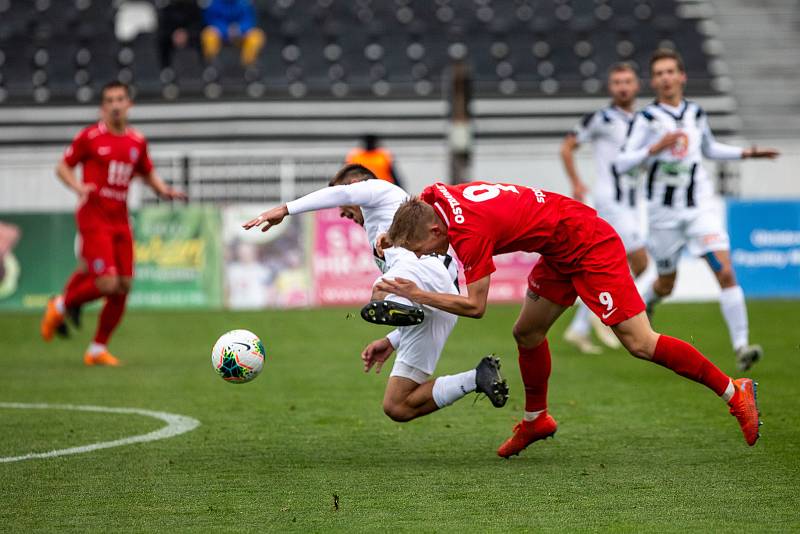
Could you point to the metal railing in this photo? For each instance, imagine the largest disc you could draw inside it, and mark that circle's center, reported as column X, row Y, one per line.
column 246, row 178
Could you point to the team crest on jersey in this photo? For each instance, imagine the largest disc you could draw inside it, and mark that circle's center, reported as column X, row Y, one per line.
column 134, row 154
column 98, row 265
column 681, row 147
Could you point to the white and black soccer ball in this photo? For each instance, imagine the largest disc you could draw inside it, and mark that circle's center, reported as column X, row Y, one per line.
column 238, row 356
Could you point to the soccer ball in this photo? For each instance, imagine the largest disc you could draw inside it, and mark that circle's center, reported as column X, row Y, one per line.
column 238, row 356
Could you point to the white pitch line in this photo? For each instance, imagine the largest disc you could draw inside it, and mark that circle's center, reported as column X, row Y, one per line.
column 176, row 425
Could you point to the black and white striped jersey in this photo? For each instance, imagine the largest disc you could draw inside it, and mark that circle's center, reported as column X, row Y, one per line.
column 675, row 177
column 607, row 129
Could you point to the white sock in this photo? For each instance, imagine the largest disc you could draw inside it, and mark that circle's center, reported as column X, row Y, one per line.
column 650, row 296
column 448, row 389
column 734, row 309
column 95, row 349
column 530, row 416
column 727, row 395
column 60, row 304
column 580, row 322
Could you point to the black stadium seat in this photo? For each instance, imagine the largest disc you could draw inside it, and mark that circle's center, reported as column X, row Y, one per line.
column 359, row 48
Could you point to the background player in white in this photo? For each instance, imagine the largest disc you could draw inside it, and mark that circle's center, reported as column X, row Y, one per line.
column 410, row 391
column 670, row 137
column 616, row 195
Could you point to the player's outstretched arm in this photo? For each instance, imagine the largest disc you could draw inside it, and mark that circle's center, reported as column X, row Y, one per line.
column 568, row 148
column 269, row 218
column 758, row 153
column 161, row 188
column 473, row 304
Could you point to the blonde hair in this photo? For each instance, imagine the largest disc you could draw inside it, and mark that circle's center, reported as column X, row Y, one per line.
column 411, row 223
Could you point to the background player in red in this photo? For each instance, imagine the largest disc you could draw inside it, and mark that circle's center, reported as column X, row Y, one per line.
column 111, row 154
column 581, row 255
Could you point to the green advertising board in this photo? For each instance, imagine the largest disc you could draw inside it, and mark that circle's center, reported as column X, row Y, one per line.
column 178, row 257
column 40, row 262
column 177, row 251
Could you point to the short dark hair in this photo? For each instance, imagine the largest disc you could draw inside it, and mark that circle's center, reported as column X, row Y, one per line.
column 622, row 66
column 353, row 170
column 115, row 84
column 667, row 53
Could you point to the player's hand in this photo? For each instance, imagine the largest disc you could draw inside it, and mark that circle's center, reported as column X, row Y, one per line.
column 400, row 287
column 173, row 194
column 668, row 141
column 579, row 191
column 269, row 218
column 754, row 152
column 382, row 242
column 376, row 353
column 83, row 191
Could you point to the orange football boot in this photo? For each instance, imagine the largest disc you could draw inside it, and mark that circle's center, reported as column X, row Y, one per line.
column 744, row 406
column 104, row 358
column 52, row 320
column 526, row 432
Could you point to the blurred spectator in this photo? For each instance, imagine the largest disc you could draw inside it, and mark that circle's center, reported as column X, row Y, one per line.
column 232, row 21
column 179, row 26
column 378, row 160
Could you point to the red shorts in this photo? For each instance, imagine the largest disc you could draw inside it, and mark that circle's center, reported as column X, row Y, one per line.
column 601, row 278
column 107, row 251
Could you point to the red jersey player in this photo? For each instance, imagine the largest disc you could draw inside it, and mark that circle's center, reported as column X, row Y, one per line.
column 111, row 153
column 581, row 255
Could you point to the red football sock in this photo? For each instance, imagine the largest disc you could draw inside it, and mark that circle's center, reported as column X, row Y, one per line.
column 534, row 364
column 687, row 361
column 110, row 317
column 80, row 289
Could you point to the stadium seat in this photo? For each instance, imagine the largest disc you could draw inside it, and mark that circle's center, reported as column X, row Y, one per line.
column 352, row 49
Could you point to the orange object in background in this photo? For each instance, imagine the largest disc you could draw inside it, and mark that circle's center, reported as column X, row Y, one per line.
column 377, row 159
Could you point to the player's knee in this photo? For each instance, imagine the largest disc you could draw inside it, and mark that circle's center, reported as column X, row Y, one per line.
column 107, row 285
column 638, row 263
column 124, row 285
column 640, row 346
column 664, row 285
column 397, row 412
column 526, row 337
column 726, row 276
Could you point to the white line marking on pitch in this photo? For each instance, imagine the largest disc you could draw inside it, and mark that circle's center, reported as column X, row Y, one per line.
column 176, row 425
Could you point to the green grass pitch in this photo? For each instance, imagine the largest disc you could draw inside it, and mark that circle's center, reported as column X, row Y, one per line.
column 306, row 447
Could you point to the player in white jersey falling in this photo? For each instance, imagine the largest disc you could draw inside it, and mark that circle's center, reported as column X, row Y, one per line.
column 616, row 195
column 410, row 391
column 669, row 138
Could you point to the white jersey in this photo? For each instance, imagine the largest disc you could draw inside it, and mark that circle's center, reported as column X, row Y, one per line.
column 420, row 346
column 607, row 130
column 378, row 200
column 676, row 182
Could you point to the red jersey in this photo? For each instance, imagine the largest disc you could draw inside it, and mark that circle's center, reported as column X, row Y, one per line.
column 109, row 162
column 485, row 219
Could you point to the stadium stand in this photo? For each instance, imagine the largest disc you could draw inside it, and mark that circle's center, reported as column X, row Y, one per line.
column 535, row 65
column 63, row 50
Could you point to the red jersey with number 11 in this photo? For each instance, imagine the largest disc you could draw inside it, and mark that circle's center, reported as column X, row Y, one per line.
column 109, row 162
column 485, row 219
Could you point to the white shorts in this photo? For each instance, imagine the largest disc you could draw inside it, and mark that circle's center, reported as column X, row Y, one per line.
column 628, row 223
column 406, row 371
column 420, row 346
column 700, row 231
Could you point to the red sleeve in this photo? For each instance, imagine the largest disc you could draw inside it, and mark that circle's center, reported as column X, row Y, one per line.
column 78, row 151
column 143, row 164
column 475, row 253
